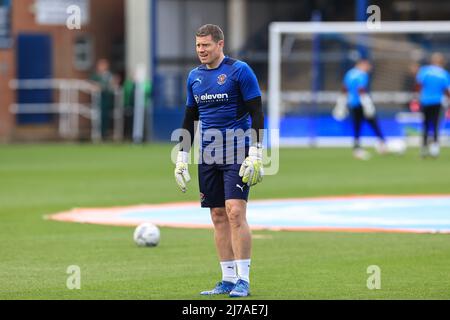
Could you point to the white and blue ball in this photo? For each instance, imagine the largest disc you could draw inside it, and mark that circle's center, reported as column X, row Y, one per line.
column 147, row 235
column 396, row 146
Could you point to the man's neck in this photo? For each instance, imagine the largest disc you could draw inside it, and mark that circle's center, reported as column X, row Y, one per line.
column 216, row 63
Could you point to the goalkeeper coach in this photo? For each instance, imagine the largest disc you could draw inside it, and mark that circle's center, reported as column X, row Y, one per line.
column 224, row 95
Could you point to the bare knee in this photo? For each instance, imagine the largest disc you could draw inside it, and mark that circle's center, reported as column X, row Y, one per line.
column 236, row 215
column 219, row 217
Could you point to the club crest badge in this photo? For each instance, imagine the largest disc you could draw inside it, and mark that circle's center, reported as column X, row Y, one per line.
column 221, row 79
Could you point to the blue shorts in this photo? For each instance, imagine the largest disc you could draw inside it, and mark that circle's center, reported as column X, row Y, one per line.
column 220, row 182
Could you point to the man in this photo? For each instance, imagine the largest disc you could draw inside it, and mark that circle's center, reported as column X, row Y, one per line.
column 355, row 96
column 105, row 80
column 432, row 83
column 224, row 94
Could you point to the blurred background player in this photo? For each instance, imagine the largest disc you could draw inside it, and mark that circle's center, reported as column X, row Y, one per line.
column 355, row 96
column 104, row 78
column 432, row 83
column 224, row 94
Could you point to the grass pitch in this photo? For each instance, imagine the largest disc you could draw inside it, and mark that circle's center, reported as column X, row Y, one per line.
column 42, row 179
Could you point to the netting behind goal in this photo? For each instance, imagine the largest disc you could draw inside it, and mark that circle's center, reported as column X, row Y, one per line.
column 309, row 60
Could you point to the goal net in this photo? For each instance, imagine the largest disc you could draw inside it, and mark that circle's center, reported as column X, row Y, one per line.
column 307, row 63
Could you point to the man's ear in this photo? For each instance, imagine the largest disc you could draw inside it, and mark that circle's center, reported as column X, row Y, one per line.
column 221, row 43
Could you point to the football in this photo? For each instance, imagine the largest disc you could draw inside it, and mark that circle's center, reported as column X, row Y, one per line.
column 147, row 235
column 396, row 146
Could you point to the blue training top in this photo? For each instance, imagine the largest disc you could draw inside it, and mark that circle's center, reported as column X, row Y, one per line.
column 434, row 80
column 354, row 80
column 220, row 94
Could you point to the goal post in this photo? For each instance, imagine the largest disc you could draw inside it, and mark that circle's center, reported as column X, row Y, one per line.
column 279, row 31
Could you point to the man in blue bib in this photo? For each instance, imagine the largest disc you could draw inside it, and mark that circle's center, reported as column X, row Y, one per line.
column 224, row 96
column 432, row 83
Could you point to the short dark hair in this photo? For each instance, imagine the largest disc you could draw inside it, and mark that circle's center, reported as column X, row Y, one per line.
column 210, row 29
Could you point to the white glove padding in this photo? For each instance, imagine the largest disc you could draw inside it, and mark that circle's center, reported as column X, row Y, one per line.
column 182, row 176
column 367, row 106
column 340, row 111
column 252, row 171
column 445, row 102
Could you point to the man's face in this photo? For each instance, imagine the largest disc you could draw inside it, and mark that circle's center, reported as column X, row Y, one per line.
column 208, row 50
column 102, row 66
column 366, row 66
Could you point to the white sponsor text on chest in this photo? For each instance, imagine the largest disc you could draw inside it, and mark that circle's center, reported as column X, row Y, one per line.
column 217, row 96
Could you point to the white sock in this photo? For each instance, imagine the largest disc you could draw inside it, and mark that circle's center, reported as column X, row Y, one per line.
column 229, row 271
column 243, row 269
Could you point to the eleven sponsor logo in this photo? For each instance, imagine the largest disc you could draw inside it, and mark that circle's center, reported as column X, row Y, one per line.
column 208, row 98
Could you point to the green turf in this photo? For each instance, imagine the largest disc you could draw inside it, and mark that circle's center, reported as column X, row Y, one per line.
column 42, row 179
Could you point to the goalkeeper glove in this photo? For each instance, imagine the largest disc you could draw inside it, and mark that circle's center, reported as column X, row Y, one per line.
column 340, row 111
column 367, row 106
column 252, row 171
column 182, row 176
column 445, row 102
